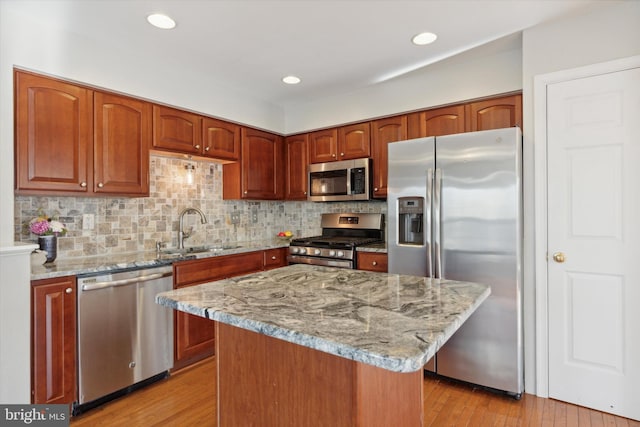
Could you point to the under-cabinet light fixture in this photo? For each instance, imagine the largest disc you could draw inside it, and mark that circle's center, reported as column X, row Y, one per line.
column 424, row 39
column 291, row 80
column 190, row 168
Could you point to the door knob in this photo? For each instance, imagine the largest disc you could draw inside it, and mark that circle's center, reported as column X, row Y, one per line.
column 558, row 257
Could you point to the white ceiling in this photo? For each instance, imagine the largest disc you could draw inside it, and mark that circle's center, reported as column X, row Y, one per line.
column 333, row 46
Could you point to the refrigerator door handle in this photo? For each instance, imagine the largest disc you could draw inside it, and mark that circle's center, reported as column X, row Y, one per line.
column 437, row 232
column 427, row 225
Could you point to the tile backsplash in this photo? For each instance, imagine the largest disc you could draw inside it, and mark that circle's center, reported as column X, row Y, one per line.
column 123, row 225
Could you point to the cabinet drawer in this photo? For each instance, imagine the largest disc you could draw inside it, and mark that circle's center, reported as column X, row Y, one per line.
column 274, row 258
column 216, row 268
column 372, row 261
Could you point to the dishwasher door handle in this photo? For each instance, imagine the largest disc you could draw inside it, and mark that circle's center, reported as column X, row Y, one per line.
column 123, row 282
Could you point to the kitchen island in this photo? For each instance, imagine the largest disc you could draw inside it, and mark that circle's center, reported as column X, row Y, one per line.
column 309, row 345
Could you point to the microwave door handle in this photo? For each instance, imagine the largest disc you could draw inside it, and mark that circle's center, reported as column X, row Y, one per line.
column 349, row 179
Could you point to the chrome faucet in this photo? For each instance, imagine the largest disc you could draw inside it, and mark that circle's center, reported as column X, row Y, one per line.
column 186, row 234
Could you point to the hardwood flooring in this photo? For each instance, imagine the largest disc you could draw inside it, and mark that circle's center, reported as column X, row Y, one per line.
column 187, row 398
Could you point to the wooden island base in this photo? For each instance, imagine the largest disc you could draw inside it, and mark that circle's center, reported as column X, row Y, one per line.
column 264, row 381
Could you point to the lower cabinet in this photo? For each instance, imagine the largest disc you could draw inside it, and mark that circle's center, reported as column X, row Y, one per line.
column 53, row 341
column 372, row 261
column 194, row 335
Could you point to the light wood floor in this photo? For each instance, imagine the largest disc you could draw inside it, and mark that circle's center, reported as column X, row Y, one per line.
column 187, row 398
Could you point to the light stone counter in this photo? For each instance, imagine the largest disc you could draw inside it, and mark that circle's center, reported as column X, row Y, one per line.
column 127, row 261
column 391, row 321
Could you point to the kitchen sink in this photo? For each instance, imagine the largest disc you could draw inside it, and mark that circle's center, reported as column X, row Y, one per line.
column 197, row 250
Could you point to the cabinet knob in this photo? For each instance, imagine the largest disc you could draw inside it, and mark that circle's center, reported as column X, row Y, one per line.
column 197, row 146
column 341, row 154
column 100, row 185
column 375, row 189
column 333, row 155
column 245, row 191
column 83, row 184
column 68, row 290
column 207, row 148
column 374, row 263
column 274, row 257
column 305, row 193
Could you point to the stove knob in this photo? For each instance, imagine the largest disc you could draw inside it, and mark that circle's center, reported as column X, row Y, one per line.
column 340, row 254
column 316, row 251
column 332, row 253
column 303, row 251
column 294, row 250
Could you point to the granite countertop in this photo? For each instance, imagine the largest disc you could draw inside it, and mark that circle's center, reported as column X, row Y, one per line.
column 374, row 247
column 391, row 321
column 128, row 261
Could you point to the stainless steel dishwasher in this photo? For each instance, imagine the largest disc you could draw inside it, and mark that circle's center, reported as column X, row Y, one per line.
column 125, row 339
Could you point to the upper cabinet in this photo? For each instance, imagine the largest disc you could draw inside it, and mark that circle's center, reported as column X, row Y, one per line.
column 220, row 139
column 122, row 131
column 297, row 159
column 343, row 143
column 383, row 132
column 494, row 113
column 177, row 130
column 73, row 140
column 189, row 133
column 259, row 174
column 437, row 122
column 53, row 135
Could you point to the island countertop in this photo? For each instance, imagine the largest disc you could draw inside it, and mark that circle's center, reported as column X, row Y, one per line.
column 391, row 321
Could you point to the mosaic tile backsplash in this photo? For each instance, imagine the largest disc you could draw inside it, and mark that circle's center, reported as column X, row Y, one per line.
column 135, row 224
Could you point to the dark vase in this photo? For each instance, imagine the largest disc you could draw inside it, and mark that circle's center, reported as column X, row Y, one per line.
column 49, row 244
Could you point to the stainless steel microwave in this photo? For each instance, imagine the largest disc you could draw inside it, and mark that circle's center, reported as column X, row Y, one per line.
column 340, row 181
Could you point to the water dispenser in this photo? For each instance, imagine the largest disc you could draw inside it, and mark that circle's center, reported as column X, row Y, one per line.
column 411, row 221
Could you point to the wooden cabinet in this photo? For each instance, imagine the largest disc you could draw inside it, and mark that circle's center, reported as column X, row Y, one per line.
column 72, row 140
column 122, row 131
column 259, row 174
column 437, row 122
column 194, row 337
column 297, row 160
column 220, row 139
column 344, row 143
column 53, row 372
column 53, row 135
column 495, row 113
column 373, row 261
column 189, row 133
column 177, row 130
column 274, row 258
column 383, row 132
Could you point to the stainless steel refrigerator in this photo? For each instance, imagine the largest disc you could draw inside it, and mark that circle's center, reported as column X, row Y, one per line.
column 455, row 212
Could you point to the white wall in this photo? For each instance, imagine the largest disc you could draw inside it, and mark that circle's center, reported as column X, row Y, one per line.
column 486, row 70
column 608, row 32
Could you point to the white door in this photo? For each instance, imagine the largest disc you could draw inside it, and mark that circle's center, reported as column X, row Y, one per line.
column 593, row 219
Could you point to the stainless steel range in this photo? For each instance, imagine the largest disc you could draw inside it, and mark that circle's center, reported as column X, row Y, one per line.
column 341, row 234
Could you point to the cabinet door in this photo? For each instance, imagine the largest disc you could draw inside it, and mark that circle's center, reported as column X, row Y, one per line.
column 220, row 140
column 195, row 335
column 494, row 113
column 122, row 133
column 176, row 130
column 354, row 141
column 383, row 132
column 297, row 160
column 437, row 122
column 53, row 132
column 262, row 159
column 53, row 375
column 323, row 146
column 373, row 261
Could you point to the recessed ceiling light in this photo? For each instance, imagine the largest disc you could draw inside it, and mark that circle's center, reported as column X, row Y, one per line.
column 291, row 80
column 161, row 21
column 424, row 38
